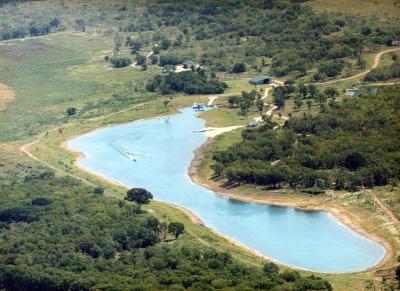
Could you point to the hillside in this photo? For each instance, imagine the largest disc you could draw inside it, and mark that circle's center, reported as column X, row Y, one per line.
column 70, row 67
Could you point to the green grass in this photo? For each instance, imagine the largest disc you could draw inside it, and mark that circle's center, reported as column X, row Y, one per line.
column 51, row 73
column 382, row 9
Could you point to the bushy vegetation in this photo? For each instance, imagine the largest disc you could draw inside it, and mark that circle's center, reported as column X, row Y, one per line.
column 351, row 144
column 58, row 234
column 296, row 38
column 120, row 62
column 386, row 73
column 188, row 82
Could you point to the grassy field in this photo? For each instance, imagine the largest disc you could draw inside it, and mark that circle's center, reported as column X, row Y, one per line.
column 51, row 73
column 382, row 9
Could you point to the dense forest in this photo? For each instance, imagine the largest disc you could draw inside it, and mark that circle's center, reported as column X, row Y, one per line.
column 58, row 234
column 284, row 38
column 351, row 144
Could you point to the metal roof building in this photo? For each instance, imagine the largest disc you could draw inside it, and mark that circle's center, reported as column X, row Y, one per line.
column 260, row 80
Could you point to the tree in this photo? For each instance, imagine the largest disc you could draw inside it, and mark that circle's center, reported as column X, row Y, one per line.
column 366, row 30
column 270, row 269
column 139, row 195
column 260, row 105
column 117, row 44
column 176, row 228
column 55, row 22
column 154, row 59
column 166, row 102
column 134, row 44
column 298, row 103
column 80, row 25
column 331, row 92
column 239, row 68
column 120, row 62
column 140, row 59
column 234, row 100
column 312, row 90
column 165, row 43
column 71, row 111
column 303, row 90
column 245, row 106
column 309, row 104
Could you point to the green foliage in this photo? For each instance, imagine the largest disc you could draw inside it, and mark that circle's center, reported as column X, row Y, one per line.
column 139, row 196
column 176, row 228
column 352, row 144
column 384, row 74
column 71, row 111
column 169, row 60
column 118, row 62
column 80, row 24
column 239, row 68
column 41, row 201
column 270, row 269
column 83, row 241
column 188, row 82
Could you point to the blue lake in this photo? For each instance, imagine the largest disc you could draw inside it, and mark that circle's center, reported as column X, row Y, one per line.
column 163, row 149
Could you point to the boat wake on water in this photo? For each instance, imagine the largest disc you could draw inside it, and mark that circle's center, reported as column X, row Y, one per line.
column 131, row 155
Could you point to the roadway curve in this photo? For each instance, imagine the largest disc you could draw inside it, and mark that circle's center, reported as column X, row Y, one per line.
column 374, row 66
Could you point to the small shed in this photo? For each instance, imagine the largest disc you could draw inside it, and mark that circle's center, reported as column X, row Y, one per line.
column 395, row 42
column 188, row 64
column 260, row 80
column 252, row 124
column 352, row 91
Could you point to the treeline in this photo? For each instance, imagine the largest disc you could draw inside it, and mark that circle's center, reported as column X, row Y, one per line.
column 351, row 144
column 189, row 82
column 34, row 28
column 58, row 234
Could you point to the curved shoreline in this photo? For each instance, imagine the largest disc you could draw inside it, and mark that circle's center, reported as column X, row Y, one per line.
column 192, row 173
column 337, row 213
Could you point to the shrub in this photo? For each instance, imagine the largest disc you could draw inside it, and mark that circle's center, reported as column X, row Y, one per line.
column 41, row 201
column 239, row 68
column 120, row 62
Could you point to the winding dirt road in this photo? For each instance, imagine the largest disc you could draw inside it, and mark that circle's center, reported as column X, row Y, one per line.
column 384, row 208
column 374, row 66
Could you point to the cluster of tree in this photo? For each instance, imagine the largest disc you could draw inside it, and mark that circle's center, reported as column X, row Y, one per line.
column 351, row 144
column 301, row 94
column 188, row 82
column 34, row 28
column 82, row 240
column 247, row 101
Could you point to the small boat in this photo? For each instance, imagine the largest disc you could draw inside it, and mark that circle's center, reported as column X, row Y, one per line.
column 197, row 106
column 131, row 157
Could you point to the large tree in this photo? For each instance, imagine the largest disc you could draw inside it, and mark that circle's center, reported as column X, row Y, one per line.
column 176, row 228
column 139, row 195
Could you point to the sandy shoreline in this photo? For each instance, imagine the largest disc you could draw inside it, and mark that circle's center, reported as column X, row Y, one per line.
column 198, row 157
column 335, row 211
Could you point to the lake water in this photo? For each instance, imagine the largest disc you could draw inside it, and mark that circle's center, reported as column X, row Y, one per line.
column 163, row 149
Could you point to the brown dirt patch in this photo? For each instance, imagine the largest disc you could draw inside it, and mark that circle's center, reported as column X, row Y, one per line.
column 19, row 52
column 6, row 96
